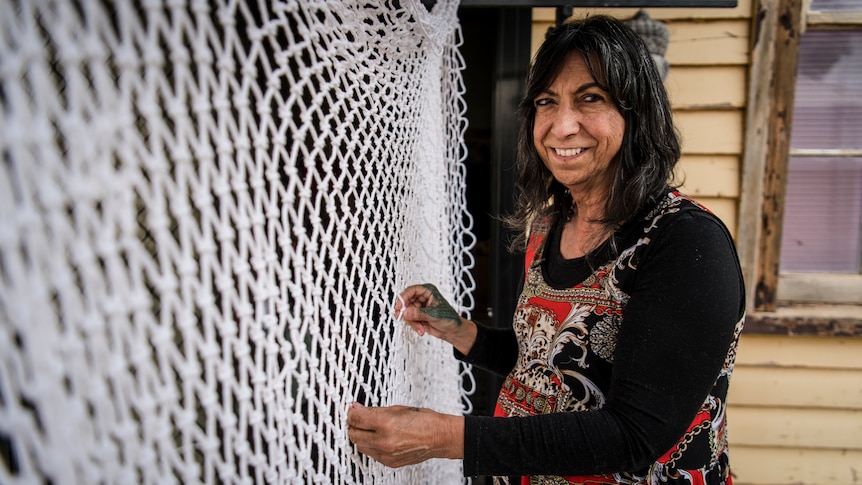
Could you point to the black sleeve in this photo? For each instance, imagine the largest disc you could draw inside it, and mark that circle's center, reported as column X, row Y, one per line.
column 494, row 350
column 676, row 332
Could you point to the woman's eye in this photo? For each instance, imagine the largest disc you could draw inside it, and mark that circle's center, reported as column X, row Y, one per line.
column 592, row 98
column 542, row 102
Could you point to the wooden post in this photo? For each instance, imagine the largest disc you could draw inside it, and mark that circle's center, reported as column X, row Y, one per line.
column 772, row 86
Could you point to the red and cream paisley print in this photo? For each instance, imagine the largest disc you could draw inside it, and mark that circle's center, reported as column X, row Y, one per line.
column 566, row 341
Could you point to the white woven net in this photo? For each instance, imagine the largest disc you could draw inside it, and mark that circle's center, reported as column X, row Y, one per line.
column 207, row 209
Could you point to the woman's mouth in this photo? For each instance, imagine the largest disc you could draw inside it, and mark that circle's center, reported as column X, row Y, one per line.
column 568, row 152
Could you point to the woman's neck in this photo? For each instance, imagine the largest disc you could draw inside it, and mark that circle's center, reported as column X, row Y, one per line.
column 585, row 230
column 580, row 236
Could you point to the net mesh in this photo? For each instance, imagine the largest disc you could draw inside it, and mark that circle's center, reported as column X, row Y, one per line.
column 207, row 209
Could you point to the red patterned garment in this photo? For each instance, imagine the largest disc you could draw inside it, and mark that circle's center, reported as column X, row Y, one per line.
column 567, row 339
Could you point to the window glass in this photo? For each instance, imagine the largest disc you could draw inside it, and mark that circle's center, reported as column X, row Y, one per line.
column 828, row 108
column 823, row 208
column 827, row 5
column 823, row 216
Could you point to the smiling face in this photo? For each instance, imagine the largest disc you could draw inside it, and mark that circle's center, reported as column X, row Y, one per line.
column 578, row 130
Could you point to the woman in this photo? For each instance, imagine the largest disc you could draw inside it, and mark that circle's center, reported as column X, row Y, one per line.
column 632, row 302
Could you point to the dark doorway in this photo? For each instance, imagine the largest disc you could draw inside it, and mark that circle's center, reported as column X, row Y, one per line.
column 496, row 52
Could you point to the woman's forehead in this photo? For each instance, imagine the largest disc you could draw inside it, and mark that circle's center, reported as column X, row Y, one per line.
column 576, row 63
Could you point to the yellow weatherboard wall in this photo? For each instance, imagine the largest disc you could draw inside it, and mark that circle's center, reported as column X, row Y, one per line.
column 795, row 412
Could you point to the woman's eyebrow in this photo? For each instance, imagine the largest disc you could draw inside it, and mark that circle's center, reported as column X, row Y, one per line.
column 580, row 89
column 588, row 86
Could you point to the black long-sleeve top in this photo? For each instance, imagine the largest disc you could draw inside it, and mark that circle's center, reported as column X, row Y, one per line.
column 618, row 369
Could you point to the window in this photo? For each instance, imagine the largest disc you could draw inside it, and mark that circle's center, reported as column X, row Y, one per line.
column 803, row 173
column 821, row 243
column 822, row 230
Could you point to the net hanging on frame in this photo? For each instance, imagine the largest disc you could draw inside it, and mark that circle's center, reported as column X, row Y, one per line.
column 206, row 211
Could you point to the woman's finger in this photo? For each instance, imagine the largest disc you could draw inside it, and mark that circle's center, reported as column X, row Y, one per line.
column 417, row 327
column 417, row 295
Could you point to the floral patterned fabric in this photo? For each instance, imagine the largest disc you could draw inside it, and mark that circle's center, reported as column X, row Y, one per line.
column 567, row 338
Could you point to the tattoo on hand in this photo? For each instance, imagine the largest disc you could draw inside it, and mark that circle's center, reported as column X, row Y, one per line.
column 441, row 310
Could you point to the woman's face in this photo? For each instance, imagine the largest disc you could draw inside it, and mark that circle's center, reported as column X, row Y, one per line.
column 578, row 130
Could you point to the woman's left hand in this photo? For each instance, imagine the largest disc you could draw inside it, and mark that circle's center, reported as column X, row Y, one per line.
column 399, row 435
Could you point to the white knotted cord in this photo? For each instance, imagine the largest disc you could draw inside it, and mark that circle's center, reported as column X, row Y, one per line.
column 206, row 211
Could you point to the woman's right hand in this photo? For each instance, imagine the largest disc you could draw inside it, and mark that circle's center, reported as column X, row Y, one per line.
column 426, row 311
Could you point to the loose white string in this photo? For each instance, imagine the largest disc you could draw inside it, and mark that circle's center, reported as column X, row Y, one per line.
column 400, row 317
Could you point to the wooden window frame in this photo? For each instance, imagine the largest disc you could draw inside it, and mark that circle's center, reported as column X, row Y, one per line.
column 779, row 302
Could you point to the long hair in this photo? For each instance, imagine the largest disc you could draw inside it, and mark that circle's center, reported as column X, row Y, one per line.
column 621, row 64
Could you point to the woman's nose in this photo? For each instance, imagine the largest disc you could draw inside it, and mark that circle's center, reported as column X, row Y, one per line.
column 566, row 122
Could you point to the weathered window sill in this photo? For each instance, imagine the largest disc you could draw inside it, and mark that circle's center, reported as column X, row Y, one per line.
column 827, row 320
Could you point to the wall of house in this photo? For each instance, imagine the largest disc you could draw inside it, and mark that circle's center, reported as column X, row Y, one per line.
column 795, row 408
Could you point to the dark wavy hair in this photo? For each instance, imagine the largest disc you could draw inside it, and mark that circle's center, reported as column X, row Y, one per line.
column 619, row 61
